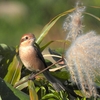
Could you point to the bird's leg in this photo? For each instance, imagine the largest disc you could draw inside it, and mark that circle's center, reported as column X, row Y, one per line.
column 32, row 75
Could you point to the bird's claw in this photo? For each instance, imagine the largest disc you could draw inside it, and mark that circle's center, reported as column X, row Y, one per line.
column 32, row 77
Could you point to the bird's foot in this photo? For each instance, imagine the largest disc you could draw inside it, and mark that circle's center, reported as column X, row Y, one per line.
column 32, row 76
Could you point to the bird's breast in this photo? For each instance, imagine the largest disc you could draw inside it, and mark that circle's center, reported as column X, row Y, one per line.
column 29, row 58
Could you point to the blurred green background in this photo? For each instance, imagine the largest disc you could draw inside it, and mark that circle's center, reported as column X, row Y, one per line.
column 18, row 17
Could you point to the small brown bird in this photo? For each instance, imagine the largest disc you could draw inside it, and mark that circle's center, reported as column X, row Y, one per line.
column 32, row 59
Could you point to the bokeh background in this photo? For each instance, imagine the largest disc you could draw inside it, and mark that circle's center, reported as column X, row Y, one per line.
column 23, row 16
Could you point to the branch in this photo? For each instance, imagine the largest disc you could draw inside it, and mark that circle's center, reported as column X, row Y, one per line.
column 33, row 76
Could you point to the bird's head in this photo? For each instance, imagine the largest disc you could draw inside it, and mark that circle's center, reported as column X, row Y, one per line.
column 27, row 39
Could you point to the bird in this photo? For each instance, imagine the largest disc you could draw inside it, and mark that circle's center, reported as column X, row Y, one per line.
column 32, row 58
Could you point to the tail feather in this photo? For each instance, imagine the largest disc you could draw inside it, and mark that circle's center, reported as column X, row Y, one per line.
column 55, row 82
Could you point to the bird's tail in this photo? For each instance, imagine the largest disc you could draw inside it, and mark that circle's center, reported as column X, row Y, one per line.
column 55, row 82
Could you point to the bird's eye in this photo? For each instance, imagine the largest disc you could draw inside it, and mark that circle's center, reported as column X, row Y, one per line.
column 26, row 37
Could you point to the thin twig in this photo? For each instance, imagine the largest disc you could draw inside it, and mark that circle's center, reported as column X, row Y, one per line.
column 55, row 69
column 33, row 76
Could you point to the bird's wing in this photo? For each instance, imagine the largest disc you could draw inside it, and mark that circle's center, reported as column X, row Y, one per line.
column 38, row 51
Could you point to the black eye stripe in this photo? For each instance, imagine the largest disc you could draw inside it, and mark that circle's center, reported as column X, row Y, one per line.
column 25, row 38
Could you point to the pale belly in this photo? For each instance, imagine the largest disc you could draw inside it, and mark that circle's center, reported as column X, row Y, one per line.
column 29, row 58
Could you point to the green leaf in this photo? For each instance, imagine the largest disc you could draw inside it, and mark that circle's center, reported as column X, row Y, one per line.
column 63, row 75
column 14, row 71
column 43, row 91
column 50, row 25
column 43, row 47
column 6, row 55
column 50, row 96
column 23, row 85
column 62, row 41
column 7, row 92
column 32, row 92
column 78, row 92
